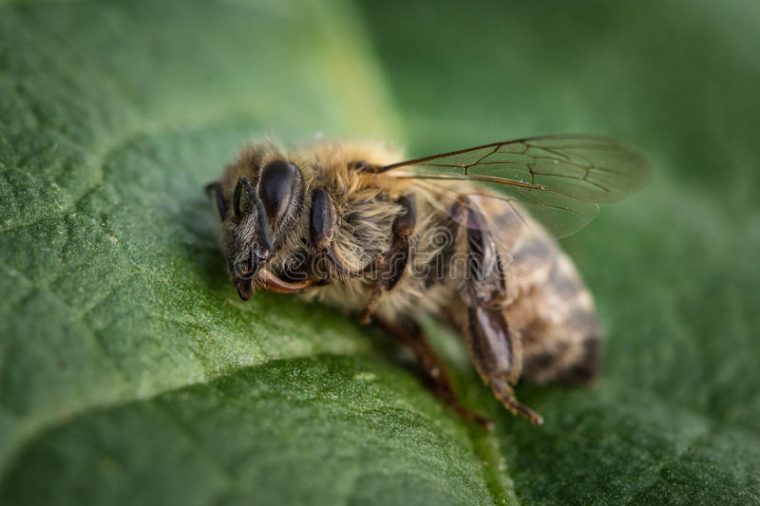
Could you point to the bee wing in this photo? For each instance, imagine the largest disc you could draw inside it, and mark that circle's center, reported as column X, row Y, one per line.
column 561, row 179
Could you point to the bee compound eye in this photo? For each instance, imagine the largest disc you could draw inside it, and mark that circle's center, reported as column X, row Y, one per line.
column 280, row 189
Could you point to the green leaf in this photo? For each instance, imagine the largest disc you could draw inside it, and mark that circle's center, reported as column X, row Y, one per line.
column 131, row 373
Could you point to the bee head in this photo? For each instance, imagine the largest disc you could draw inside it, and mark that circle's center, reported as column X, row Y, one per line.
column 262, row 216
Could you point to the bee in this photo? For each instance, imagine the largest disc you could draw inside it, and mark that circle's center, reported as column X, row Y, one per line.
column 467, row 237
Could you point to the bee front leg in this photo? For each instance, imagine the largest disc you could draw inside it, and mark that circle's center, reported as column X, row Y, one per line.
column 322, row 226
column 495, row 350
column 410, row 334
column 396, row 259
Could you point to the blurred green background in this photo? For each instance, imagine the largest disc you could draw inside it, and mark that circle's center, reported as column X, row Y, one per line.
column 129, row 371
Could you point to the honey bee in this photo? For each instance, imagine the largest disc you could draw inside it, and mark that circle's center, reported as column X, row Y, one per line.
column 467, row 237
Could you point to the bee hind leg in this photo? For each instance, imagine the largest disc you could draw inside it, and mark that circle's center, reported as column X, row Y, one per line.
column 496, row 353
column 411, row 335
column 495, row 349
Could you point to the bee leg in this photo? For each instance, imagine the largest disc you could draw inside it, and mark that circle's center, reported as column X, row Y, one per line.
column 496, row 351
column 497, row 355
column 322, row 230
column 410, row 335
column 393, row 265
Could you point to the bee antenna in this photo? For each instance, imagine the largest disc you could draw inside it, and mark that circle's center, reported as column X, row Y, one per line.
column 215, row 188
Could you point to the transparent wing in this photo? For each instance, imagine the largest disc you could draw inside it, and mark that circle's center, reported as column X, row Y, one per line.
column 560, row 179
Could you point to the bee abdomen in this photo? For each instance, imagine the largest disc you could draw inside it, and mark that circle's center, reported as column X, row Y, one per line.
column 577, row 361
column 559, row 327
